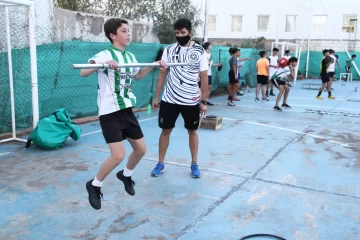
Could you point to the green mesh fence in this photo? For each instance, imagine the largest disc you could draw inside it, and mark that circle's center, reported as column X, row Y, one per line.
column 61, row 86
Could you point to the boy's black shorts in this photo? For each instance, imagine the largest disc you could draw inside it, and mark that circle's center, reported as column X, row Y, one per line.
column 262, row 79
column 169, row 113
column 120, row 125
column 277, row 83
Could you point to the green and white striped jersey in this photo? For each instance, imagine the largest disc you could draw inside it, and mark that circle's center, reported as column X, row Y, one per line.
column 114, row 87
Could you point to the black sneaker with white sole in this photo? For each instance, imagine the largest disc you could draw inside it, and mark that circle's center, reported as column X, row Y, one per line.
column 285, row 105
column 276, row 108
column 95, row 195
column 128, row 182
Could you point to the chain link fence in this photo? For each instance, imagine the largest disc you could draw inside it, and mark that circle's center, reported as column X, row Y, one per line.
column 60, row 45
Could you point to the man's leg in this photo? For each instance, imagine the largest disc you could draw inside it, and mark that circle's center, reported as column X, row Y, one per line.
column 257, row 91
column 264, row 91
column 209, row 90
column 191, row 116
column 286, row 94
column 235, row 90
column 324, row 82
column 278, row 98
column 168, row 115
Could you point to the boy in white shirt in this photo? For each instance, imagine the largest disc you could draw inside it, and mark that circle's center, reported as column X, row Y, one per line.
column 273, row 67
column 207, row 46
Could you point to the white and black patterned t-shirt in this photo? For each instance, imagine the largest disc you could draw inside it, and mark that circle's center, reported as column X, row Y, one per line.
column 182, row 81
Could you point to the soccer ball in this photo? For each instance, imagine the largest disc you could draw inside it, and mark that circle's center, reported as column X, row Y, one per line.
column 283, row 62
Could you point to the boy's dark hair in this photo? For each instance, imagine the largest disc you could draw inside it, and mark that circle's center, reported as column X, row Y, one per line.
column 182, row 23
column 325, row 51
column 230, row 50
column 331, row 51
column 234, row 50
column 275, row 49
column 262, row 53
column 353, row 56
column 206, row 45
column 287, row 51
column 112, row 25
column 292, row 59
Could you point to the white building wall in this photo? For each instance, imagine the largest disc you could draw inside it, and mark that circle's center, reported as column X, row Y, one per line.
column 277, row 10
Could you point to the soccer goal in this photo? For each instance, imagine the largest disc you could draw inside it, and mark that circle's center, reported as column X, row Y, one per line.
column 18, row 69
column 294, row 52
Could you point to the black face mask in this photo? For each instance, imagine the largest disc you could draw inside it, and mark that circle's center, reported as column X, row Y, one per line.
column 183, row 40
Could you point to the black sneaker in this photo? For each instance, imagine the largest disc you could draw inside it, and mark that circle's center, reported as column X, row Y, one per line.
column 276, row 108
column 94, row 195
column 128, row 182
column 209, row 103
column 272, row 94
column 285, row 105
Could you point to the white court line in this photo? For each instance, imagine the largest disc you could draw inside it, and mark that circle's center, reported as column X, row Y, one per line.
column 266, row 108
column 310, row 106
column 98, row 131
column 288, row 130
column 2, row 154
column 208, row 196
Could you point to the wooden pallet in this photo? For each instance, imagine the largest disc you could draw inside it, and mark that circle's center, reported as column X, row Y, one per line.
column 311, row 86
column 212, row 123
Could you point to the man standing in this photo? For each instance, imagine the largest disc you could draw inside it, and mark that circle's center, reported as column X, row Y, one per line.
column 181, row 93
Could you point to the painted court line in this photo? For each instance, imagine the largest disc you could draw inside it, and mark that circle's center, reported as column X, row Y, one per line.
column 288, row 130
column 98, row 131
column 2, row 154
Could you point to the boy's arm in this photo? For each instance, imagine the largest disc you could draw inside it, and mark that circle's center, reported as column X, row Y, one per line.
column 100, row 58
column 160, row 82
column 244, row 59
column 143, row 72
column 88, row 72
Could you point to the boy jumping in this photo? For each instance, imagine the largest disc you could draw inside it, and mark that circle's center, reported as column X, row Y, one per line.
column 278, row 80
column 325, row 63
column 115, row 103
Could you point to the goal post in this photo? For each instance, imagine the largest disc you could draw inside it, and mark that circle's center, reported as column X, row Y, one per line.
column 294, row 51
column 30, row 11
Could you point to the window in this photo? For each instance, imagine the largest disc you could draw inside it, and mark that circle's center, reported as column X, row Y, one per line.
column 319, row 24
column 263, row 23
column 290, row 25
column 236, row 24
column 212, row 23
column 349, row 23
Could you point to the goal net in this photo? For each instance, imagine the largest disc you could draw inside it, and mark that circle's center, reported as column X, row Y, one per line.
column 18, row 69
column 290, row 49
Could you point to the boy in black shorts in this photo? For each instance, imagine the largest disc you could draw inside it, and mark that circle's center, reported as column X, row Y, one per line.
column 325, row 63
column 348, row 64
column 116, row 101
column 233, row 76
column 262, row 66
column 181, row 94
column 287, row 69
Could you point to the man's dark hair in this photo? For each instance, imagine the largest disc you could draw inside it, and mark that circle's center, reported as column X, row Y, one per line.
column 292, row 59
column 325, row 51
column 275, row 49
column 353, row 56
column 182, row 23
column 234, row 50
column 206, row 45
column 331, row 51
column 230, row 50
column 262, row 53
column 287, row 51
column 112, row 25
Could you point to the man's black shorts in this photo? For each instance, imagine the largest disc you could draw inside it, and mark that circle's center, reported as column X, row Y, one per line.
column 209, row 81
column 262, row 79
column 232, row 79
column 325, row 78
column 347, row 69
column 277, row 83
column 331, row 74
column 169, row 113
column 119, row 125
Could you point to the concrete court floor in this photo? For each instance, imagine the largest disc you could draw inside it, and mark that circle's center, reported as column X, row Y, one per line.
column 293, row 174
